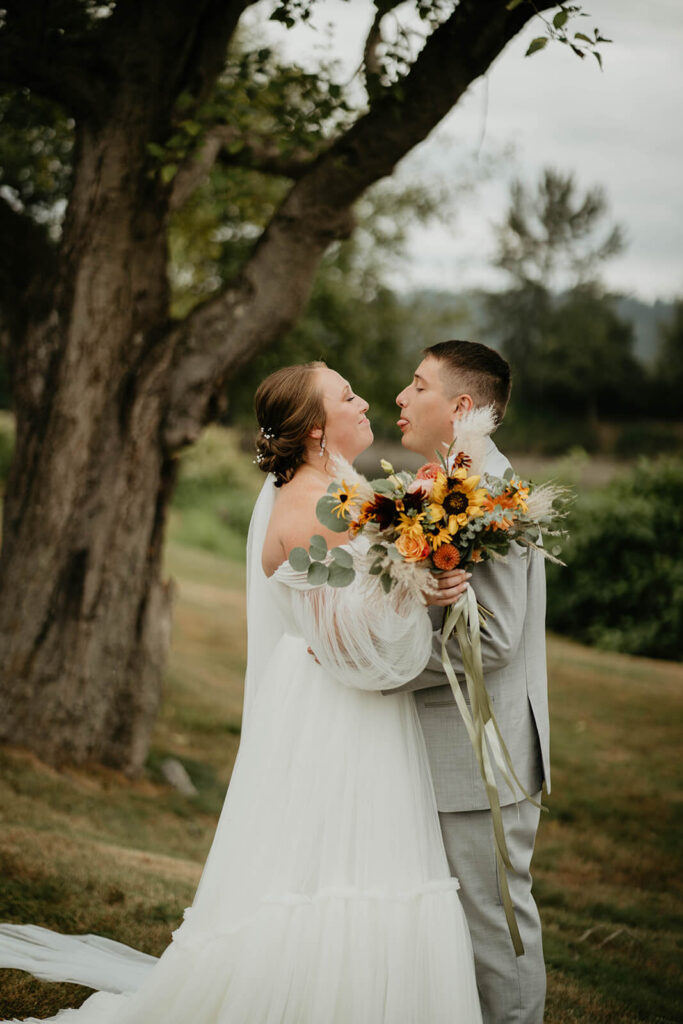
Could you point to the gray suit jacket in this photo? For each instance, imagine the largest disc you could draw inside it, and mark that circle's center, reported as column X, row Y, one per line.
column 513, row 652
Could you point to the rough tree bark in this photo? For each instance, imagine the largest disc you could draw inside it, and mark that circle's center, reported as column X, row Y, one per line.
column 107, row 389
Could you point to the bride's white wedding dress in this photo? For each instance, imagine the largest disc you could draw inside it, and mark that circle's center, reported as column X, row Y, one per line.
column 326, row 897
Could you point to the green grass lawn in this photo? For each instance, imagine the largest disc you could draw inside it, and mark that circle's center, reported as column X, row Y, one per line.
column 91, row 851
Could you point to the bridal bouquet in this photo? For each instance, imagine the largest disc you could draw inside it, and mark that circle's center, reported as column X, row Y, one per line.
column 447, row 515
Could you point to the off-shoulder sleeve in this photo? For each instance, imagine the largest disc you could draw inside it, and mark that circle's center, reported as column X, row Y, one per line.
column 363, row 637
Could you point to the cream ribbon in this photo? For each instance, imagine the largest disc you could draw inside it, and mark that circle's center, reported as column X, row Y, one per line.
column 484, row 734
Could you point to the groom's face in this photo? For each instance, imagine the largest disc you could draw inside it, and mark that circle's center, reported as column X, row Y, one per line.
column 427, row 411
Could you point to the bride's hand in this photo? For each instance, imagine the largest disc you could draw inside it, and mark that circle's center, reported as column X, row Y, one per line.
column 452, row 585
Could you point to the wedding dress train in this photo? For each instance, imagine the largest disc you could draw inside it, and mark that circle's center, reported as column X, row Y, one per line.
column 326, row 897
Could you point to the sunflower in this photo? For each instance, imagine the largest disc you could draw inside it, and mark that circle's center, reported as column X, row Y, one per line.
column 440, row 487
column 436, row 512
column 462, row 500
column 345, row 497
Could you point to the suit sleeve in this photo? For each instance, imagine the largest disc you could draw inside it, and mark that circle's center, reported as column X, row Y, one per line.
column 502, row 588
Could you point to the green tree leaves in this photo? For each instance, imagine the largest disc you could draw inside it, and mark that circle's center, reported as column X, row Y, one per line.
column 568, row 348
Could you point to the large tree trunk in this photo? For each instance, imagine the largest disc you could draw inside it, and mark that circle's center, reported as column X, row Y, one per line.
column 106, row 389
column 85, row 618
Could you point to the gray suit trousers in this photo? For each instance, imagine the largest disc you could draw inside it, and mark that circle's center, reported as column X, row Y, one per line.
column 511, row 988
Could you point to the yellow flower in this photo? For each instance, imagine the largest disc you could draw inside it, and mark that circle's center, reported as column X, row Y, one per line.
column 463, row 500
column 437, row 539
column 410, row 526
column 436, row 512
column 440, row 487
column 345, row 499
column 521, row 495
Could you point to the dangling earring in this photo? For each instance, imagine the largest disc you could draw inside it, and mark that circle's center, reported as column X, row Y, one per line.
column 323, row 445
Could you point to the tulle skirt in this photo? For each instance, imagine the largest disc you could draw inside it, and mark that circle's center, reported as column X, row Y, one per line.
column 326, row 897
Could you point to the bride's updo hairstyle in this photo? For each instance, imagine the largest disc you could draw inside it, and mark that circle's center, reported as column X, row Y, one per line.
column 288, row 406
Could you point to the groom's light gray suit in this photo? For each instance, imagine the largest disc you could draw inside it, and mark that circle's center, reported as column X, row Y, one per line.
column 513, row 652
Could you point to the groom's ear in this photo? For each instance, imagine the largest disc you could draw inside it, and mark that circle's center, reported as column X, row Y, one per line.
column 462, row 404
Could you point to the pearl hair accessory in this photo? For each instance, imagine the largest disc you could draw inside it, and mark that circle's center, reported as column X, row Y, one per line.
column 268, row 433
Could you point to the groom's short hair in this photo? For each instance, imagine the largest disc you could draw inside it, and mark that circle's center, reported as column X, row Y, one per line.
column 480, row 371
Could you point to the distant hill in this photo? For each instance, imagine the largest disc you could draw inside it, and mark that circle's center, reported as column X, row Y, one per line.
column 461, row 315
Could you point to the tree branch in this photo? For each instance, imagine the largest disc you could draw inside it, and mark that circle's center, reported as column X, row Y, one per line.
column 227, row 330
column 258, row 153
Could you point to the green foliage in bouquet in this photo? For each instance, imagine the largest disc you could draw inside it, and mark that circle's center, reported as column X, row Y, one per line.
column 622, row 589
column 334, row 567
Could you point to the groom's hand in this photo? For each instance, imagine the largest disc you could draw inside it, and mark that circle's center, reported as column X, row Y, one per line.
column 452, row 585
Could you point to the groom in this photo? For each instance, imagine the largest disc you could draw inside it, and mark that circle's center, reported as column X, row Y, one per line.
column 454, row 377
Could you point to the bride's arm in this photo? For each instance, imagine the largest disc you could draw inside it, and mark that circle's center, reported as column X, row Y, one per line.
column 360, row 635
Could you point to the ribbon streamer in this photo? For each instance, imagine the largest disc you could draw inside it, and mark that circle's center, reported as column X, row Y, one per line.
column 484, row 734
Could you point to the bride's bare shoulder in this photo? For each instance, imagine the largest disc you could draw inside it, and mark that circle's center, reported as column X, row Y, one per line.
column 293, row 522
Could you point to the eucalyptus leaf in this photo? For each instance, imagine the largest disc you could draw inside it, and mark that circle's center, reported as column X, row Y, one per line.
column 318, row 573
column 376, row 567
column 377, row 549
column 299, row 560
column 386, row 581
column 340, row 575
column 342, row 557
column 327, row 517
column 560, row 19
column 394, row 555
column 509, row 473
column 318, row 547
column 384, row 486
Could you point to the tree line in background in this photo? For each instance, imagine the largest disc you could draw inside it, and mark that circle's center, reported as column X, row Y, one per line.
column 578, row 378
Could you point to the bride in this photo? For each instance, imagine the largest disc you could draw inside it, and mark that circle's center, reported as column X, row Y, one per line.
column 326, row 897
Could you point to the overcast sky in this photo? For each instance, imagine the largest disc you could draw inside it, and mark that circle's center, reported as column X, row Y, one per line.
column 622, row 129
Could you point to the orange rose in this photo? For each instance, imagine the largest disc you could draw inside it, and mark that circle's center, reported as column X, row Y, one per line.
column 413, row 549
